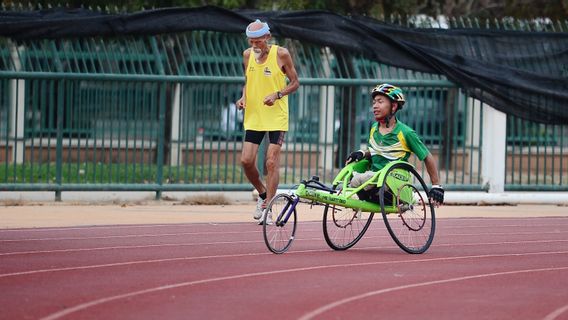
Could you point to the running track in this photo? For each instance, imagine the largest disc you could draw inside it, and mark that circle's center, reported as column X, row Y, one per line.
column 477, row 268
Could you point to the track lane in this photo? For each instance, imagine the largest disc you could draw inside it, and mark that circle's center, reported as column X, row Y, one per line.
column 102, row 265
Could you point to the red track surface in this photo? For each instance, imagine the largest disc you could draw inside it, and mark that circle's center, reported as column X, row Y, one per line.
column 477, row 268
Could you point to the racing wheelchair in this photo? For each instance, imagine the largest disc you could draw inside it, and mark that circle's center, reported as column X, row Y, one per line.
column 407, row 211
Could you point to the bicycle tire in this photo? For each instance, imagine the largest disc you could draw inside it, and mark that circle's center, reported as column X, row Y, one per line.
column 413, row 225
column 279, row 235
column 344, row 227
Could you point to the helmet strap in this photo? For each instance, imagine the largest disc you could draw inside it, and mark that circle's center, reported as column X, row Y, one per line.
column 386, row 120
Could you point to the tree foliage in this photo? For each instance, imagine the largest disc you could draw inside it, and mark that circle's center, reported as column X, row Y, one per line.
column 524, row 9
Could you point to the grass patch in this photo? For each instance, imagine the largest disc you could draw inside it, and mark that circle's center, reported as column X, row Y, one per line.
column 208, row 200
column 13, row 203
column 100, row 173
column 119, row 173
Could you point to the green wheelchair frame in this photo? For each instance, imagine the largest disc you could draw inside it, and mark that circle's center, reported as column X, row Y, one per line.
column 407, row 211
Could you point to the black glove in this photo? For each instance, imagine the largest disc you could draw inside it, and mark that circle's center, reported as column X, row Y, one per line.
column 355, row 156
column 437, row 194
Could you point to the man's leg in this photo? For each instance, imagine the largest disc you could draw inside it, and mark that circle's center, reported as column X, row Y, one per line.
column 248, row 161
column 273, row 170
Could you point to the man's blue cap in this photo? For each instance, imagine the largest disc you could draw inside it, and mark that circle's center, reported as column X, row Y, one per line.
column 260, row 32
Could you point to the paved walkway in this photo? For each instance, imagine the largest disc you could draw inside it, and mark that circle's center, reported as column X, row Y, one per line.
column 63, row 215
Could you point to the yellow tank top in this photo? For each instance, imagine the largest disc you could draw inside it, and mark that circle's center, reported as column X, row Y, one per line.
column 262, row 80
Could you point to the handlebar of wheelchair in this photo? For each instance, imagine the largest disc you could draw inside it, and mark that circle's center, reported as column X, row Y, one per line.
column 315, row 184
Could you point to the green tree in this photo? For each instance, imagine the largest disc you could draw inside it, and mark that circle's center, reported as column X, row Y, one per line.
column 524, row 9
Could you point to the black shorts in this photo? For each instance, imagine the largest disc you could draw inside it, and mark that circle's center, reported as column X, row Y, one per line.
column 275, row 137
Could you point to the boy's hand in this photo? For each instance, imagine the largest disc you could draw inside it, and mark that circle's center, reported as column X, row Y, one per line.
column 437, row 194
column 355, row 156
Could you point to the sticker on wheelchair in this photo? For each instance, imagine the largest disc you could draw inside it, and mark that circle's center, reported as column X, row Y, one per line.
column 396, row 180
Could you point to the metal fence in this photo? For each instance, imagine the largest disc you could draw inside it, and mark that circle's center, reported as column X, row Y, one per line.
column 156, row 113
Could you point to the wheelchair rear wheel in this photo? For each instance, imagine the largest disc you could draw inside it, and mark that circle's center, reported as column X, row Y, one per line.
column 407, row 211
column 344, row 227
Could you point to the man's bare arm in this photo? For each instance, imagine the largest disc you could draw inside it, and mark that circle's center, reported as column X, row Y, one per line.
column 241, row 103
column 290, row 70
column 287, row 65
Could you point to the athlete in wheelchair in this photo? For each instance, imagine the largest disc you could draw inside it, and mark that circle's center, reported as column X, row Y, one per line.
column 390, row 140
column 378, row 179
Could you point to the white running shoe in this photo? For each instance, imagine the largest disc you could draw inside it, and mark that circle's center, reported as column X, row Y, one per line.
column 268, row 219
column 258, row 211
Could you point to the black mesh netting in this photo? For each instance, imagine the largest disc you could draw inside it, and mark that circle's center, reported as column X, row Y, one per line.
column 520, row 73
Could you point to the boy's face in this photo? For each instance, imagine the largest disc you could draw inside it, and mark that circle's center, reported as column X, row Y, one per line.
column 382, row 107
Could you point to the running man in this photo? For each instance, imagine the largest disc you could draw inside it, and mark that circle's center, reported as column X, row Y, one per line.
column 270, row 76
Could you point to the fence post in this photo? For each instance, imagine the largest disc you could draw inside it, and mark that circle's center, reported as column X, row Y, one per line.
column 327, row 119
column 493, row 149
column 59, row 136
column 474, row 134
column 160, row 145
column 326, row 127
column 17, row 109
column 175, row 154
column 162, row 89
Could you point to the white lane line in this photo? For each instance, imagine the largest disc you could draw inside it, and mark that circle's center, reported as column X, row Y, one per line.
column 452, row 244
column 144, row 235
column 144, row 246
column 118, row 264
column 338, row 303
column 556, row 313
column 447, row 227
column 113, row 227
column 201, row 224
column 138, row 226
column 96, row 302
column 128, row 263
column 151, row 235
column 447, row 235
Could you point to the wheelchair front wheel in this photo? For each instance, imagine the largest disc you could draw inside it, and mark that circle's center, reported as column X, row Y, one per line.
column 344, row 227
column 279, row 223
column 407, row 211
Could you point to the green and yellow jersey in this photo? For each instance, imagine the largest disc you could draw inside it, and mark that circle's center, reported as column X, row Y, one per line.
column 398, row 144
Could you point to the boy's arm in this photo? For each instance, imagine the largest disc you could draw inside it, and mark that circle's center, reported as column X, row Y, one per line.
column 432, row 169
column 436, row 192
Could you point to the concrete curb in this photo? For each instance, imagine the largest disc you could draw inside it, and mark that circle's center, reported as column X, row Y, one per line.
column 451, row 197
